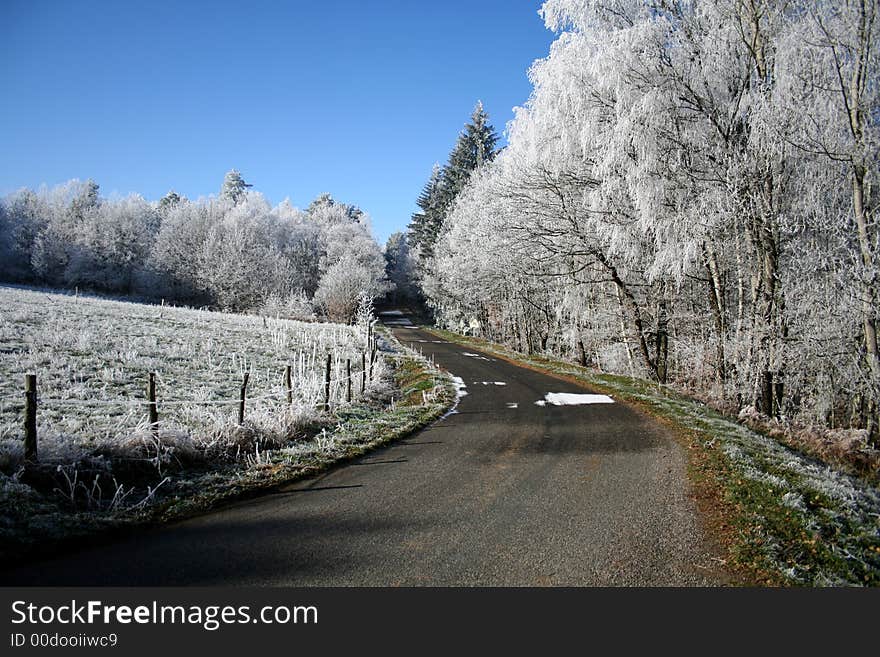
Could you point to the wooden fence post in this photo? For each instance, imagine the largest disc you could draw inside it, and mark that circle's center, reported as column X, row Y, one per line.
column 152, row 406
column 327, row 384
column 30, row 417
column 348, row 380
column 288, row 385
column 363, row 372
column 243, row 395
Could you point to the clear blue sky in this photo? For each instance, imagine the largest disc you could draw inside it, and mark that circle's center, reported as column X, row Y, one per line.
column 355, row 98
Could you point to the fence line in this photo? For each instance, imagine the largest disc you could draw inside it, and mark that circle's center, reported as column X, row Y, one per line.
column 17, row 401
column 32, row 400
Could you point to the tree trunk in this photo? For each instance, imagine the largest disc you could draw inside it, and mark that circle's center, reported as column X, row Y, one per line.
column 765, row 404
column 858, row 113
column 778, row 394
column 661, row 349
column 869, row 296
column 766, row 244
column 626, row 297
column 624, row 335
column 716, row 297
column 582, row 353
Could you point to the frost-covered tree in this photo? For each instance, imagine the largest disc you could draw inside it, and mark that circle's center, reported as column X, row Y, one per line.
column 827, row 106
column 70, row 236
column 345, row 248
column 66, row 209
column 365, row 314
column 400, row 268
column 173, row 259
column 299, row 239
column 325, row 211
column 687, row 195
column 234, row 187
column 425, row 225
column 474, row 148
column 232, row 252
column 85, row 198
column 113, row 245
column 12, row 264
column 238, row 263
column 345, row 282
column 23, row 216
column 169, row 201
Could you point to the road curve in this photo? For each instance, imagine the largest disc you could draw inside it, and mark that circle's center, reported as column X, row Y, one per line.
column 501, row 492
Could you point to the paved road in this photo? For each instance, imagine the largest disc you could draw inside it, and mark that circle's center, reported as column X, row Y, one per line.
column 501, row 492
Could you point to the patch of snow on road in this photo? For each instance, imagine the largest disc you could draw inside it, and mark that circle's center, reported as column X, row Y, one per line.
column 573, row 399
column 492, row 383
column 459, row 386
column 460, row 392
column 477, row 356
column 512, row 405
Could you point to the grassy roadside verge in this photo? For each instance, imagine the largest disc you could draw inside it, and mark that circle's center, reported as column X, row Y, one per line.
column 34, row 524
column 783, row 517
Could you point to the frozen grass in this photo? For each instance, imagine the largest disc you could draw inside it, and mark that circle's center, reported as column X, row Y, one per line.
column 100, row 465
column 92, row 358
column 797, row 520
column 420, row 394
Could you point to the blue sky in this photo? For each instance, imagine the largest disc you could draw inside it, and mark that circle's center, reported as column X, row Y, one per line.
column 358, row 99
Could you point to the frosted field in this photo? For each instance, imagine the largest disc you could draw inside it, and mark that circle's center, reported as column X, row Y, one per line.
column 92, row 358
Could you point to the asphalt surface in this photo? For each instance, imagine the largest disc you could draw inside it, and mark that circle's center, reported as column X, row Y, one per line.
column 500, row 492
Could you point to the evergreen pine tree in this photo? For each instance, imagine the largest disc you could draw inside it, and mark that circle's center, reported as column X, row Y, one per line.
column 84, row 200
column 325, row 201
column 168, row 201
column 321, row 201
column 234, row 187
column 474, row 148
column 425, row 225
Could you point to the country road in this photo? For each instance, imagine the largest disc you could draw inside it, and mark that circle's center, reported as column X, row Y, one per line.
column 503, row 491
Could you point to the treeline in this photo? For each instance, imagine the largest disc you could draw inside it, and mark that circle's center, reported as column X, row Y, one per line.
column 233, row 251
column 690, row 194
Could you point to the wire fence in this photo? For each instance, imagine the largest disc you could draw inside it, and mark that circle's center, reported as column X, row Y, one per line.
column 337, row 386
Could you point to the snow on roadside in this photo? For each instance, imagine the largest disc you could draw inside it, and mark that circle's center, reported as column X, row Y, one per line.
column 572, row 399
column 848, row 522
column 460, row 386
column 840, row 512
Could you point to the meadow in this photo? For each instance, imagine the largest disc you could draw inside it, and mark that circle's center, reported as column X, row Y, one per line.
column 93, row 357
